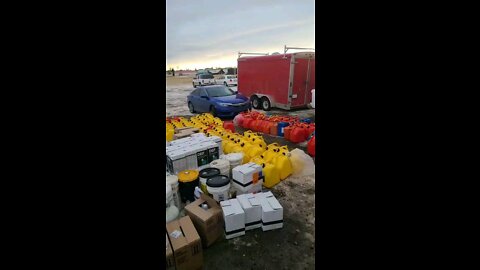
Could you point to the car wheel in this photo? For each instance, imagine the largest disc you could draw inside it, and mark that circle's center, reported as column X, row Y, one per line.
column 213, row 111
column 226, row 84
column 266, row 106
column 194, row 85
column 190, row 107
column 255, row 102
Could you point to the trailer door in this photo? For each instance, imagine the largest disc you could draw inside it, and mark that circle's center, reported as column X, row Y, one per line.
column 300, row 82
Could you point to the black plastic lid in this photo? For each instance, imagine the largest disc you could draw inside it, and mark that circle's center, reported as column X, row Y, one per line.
column 218, row 181
column 209, row 172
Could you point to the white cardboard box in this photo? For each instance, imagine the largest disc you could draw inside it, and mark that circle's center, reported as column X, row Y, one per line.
column 247, row 178
column 218, row 141
column 176, row 161
column 252, row 188
column 252, row 207
column 272, row 212
column 234, row 218
column 246, row 173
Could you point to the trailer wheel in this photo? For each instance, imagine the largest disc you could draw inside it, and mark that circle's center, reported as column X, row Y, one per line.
column 255, row 102
column 266, row 105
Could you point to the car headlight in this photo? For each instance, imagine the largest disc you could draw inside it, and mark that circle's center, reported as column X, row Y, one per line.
column 223, row 104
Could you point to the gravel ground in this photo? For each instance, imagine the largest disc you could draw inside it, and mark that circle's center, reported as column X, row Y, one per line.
column 293, row 246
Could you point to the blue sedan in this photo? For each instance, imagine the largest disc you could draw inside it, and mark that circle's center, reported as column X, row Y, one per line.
column 219, row 100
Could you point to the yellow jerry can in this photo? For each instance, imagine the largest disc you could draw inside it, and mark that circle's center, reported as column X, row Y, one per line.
column 255, row 150
column 230, row 143
column 257, row 160
column 283, row 164
column 170, row 133
column 272, row 175
column 245, row 149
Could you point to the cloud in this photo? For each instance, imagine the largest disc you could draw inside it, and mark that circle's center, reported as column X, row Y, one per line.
column 201, row 31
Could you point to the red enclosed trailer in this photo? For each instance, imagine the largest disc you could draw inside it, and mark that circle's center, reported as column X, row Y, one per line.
column 283, row 80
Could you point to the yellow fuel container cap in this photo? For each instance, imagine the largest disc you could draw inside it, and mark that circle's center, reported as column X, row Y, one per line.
column 187, row 176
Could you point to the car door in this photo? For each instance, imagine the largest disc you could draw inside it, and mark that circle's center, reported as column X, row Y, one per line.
column 220, row 80
column 203, row 100
column 193, row 98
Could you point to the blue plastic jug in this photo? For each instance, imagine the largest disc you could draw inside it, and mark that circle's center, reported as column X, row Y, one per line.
column 306, row 120
column 280, row 127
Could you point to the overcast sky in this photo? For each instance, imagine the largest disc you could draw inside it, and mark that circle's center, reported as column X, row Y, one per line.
column 206, row 33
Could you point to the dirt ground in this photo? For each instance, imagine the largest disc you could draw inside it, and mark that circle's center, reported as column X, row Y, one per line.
column 293, row 246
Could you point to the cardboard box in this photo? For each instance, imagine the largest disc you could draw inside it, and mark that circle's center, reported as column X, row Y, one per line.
column 190, row 158
column 234, row 218
column 247, row 178
column 213, row 151
column 186, row 244
column 202, row 155
column 272, row 212
column 182, row 135
column 218, row 141
column 186, row 129
column 209, row 223
column 176, row 161
column 251, row 205
column 170, row 260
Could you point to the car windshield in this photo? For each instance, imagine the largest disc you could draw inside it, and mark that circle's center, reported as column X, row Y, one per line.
column 206, row 76
column 220, row 91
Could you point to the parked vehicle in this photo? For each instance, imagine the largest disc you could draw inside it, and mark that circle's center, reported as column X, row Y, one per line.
column 219, row 100
column 227, row 80
column 282, row 80
column 203, row 79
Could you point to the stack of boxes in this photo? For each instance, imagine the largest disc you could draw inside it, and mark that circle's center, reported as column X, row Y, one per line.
column 192, row 152
column 251, row 211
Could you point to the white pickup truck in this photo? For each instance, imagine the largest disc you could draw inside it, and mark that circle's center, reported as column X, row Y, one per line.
column 203, row 79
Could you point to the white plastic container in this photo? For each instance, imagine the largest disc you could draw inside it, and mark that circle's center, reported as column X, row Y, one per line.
column 171, row 210
column 313, row 98
column 219, row 187
column 204, row 175
column 169, row 196
column 223, row 165
column 172, row 180
column 235, row 159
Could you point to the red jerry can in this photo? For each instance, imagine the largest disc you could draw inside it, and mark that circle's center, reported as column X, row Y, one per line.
column 298, row 134
column 311, row 147
column 311, row 129
column 273, row 129
column 229, row 125
column 240, row 117
column 246, row 122
column 266, row 127
column 287, row 132
column 256, row 125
